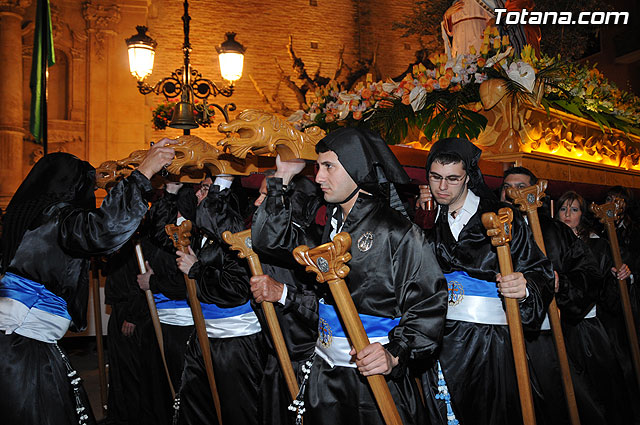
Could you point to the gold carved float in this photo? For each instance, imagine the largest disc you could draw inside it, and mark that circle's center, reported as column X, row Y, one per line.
column 265, row 133
column 193, row 157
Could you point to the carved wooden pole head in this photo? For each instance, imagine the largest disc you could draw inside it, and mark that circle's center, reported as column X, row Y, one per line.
column 528, row 198
column 179, row 235
column 193, row 156
column 498, row 226
column 240, row 242
column 609, row 212
column 327, row 261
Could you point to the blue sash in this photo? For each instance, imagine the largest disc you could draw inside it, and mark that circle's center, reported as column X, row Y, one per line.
column 230, row 322
column 173, row 312
column 29, row 309
column 474, row 300
column 333, row 344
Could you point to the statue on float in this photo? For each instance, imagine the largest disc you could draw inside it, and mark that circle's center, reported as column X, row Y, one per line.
column 464, row 22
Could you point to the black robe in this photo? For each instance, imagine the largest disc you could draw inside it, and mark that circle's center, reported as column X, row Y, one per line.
column 298, row 317
column 609, row 312
column 395, row 277
column 134, row 393
column 55, row 252
column 167, row 279
column 238, row 362
column 477, row 359
column 594, row 370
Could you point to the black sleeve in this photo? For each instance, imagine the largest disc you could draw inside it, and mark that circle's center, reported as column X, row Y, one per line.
column 220, row 279
column 105, row 230
column 580, row 280
column 537, row 270
column 284, row 221
column 421, row 294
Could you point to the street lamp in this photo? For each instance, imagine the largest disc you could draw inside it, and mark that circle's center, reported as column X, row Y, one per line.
column 185, row 81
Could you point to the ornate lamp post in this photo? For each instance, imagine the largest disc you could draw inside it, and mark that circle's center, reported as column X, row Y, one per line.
column 185, row 81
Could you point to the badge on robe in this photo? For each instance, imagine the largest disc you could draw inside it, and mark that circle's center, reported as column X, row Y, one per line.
column 324, row 333
column 365, row 242
column 456, row 292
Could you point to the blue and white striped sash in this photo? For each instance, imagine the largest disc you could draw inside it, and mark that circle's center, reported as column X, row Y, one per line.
column 29, row 309
column 230, row 322
column 173, row 312
column 474, row 300
column 334, row 346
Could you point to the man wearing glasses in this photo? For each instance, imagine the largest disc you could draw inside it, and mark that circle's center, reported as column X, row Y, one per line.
column 476, row 377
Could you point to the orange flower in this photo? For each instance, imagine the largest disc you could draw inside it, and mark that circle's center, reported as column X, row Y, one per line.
column 481, row 62
column 366, row 93
column 329, row 118
column 405, row 99
column 444, row 83
column 357, row 115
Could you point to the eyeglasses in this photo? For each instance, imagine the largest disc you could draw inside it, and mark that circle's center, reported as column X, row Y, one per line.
column 452, row 180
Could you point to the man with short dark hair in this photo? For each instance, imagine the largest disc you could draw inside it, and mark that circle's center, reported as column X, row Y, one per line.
column 476, row 359
column 394, row 281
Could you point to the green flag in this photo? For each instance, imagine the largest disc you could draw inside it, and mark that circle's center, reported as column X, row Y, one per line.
column 43, row 57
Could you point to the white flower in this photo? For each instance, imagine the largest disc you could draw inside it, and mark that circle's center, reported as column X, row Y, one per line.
column 346, row 97
column 522, row 73
column 497, row 58
column 390, row 86
column 296, row 116
column 417, row 97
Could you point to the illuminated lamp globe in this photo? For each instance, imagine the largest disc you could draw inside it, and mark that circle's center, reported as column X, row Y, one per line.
column 231, row 56
column 141, row 53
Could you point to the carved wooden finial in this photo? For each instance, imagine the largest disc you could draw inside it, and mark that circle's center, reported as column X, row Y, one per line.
column 498, row 226
column 609, row 212
column 179, row 235
column 193, row 156
column 528, row 198
column 240, row 242
column 327, row 261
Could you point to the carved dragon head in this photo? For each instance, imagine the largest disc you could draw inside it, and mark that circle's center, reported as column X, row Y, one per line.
column 264, row 133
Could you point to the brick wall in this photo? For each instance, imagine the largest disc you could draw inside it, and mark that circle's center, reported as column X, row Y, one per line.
column 264, row 28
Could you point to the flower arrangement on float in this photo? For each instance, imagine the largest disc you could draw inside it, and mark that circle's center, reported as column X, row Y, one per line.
column 444, row 101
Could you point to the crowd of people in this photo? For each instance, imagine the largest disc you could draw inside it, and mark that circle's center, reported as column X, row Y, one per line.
column 425, row 282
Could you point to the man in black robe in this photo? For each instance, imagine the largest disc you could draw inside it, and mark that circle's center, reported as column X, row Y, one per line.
column 235, row 337
column 476, row 359
column 163, row 278
column 52, row 229
column 291, row 290
column 594, row 370
column 394, row 280
column 130, row 342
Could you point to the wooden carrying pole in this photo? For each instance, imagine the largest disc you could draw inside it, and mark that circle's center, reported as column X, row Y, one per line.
column 608, row 214
column 499, row 229
column 154, row 318
column 97, row 316
column 241, row 242
column 180, row 237
column 529, row 199
column 328, row 262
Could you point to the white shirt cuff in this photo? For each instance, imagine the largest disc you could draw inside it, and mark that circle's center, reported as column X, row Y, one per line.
column 283, row 298
column 223, row 183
